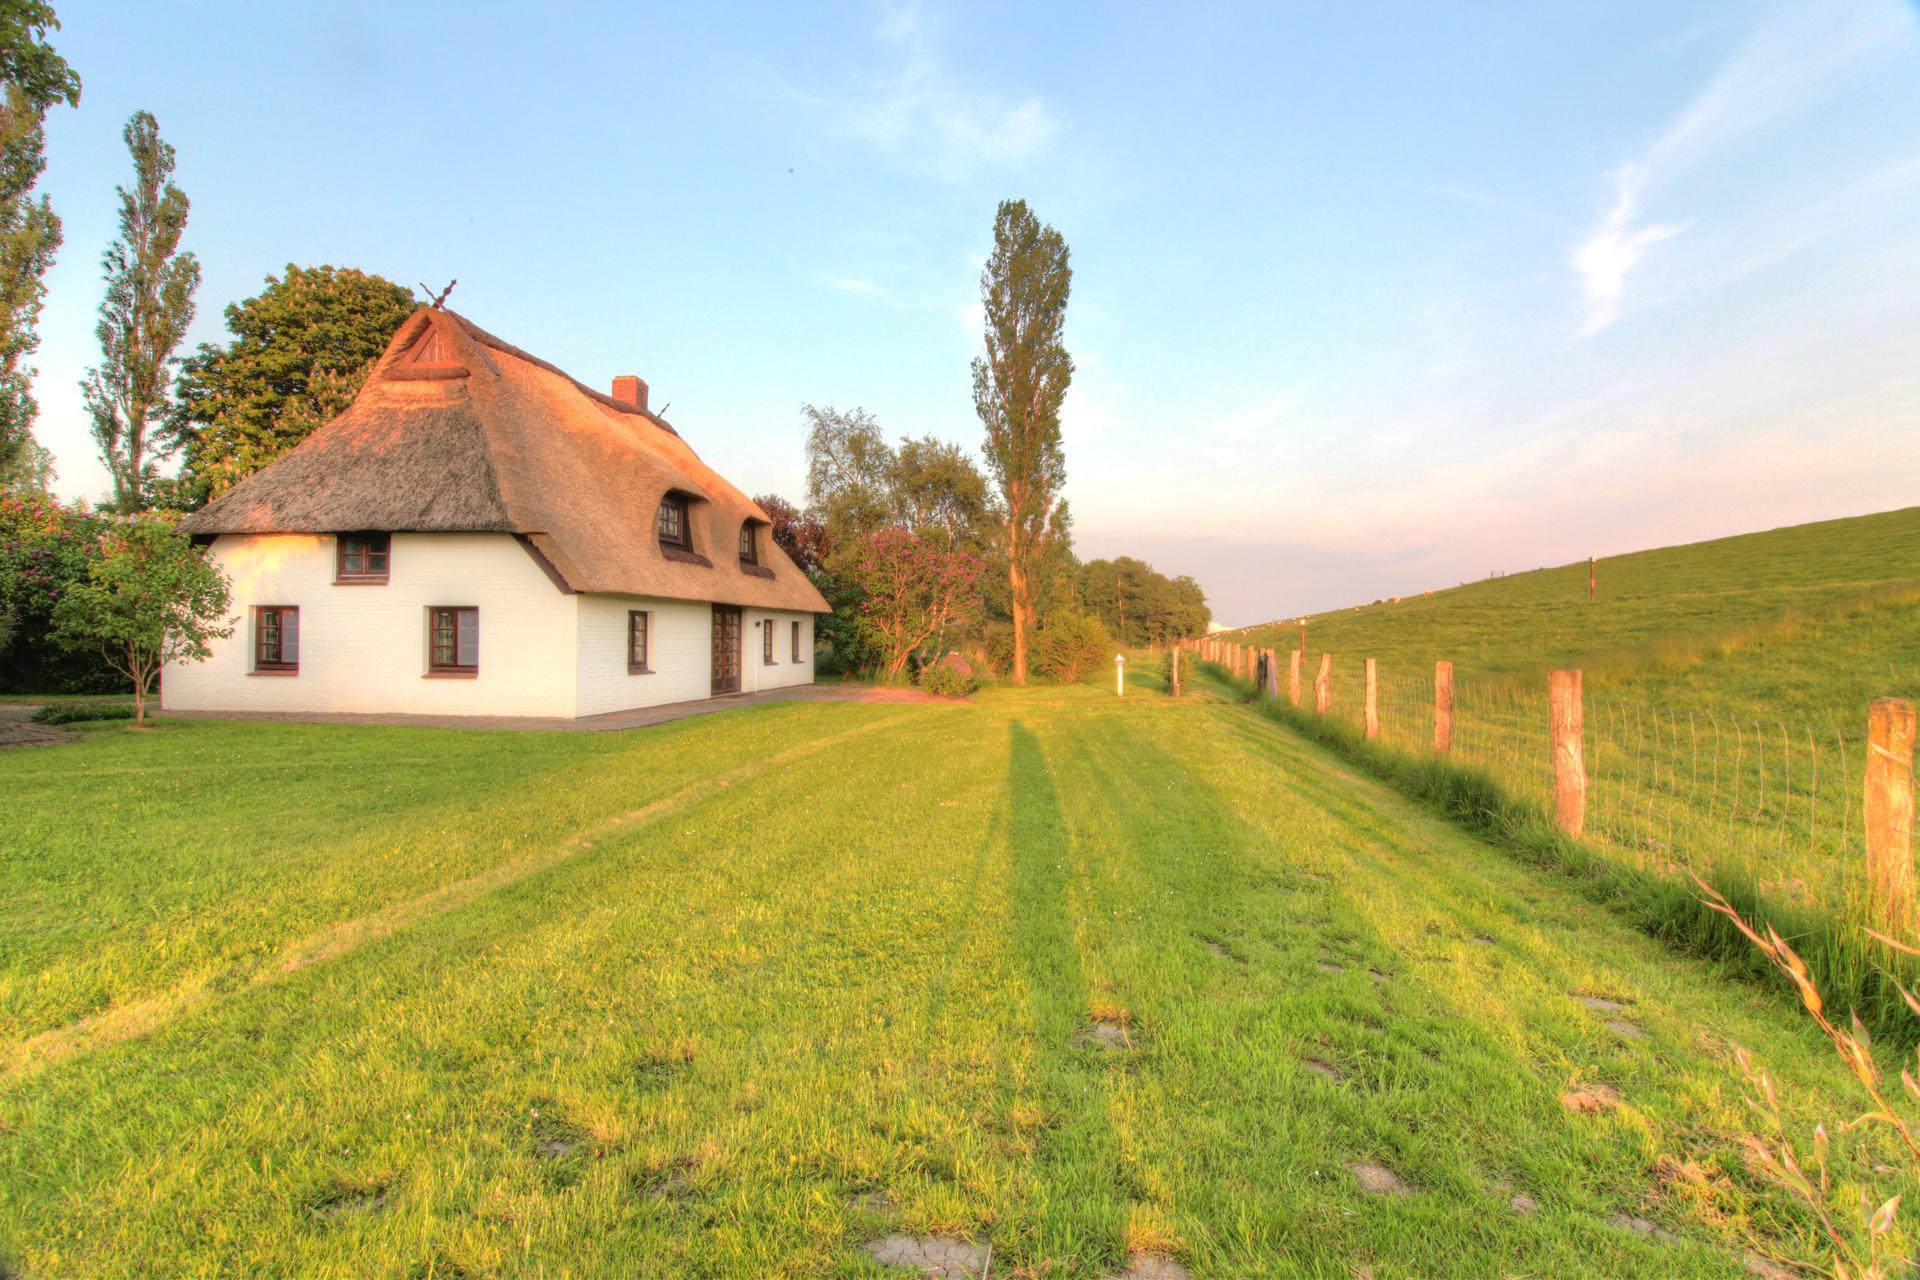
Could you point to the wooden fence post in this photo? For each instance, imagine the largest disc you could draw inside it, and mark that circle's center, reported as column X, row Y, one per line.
column 1293, row 676
column 1273, row 673
column 1566, row 715
column 1442, row 707
column 1174, row 682
column 1323, row 685
column 1373, row 699
column 1890, row 811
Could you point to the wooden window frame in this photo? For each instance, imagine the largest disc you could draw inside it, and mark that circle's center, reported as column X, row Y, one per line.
column 796, row 640
column 645, row 629
column 766, row 644
column 276, row 666
column 365, row 577
column 749, row 543
column 456, row 669
column 677, row 503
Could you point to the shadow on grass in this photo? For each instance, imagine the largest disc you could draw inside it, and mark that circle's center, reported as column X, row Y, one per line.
column 1083, row 1209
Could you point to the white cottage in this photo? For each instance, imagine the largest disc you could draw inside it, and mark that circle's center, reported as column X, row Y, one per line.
column 479, row 534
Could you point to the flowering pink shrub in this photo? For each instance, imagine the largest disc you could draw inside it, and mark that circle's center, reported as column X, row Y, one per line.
column 914, row 592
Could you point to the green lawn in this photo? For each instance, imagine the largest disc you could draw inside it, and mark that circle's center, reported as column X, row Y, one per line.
column 735, row 995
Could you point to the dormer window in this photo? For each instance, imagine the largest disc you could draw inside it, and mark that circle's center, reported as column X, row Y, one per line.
column 749, row 544
column 673, row 522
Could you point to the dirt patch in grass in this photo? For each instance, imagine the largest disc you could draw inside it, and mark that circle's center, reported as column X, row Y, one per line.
column 1220, row 950
column 1767, row 1269
column 1324, row 1069
column 1524, row 1205
column 670, row 1180
column 1590, row 1099
column 1378, row 1180
column 347, row 1199
column 1151, row 1266
column 873, row 1201
column 660, row 1068
column 1103, row 1034
column 1641, row 1227
column 1603, row 1004
column 1626, row 1030
column 948, row 1257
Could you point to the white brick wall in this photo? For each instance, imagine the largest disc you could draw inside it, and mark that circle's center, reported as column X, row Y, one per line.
column 542, row 652
column 755, row 672
column 364, row 647
column 679, row 643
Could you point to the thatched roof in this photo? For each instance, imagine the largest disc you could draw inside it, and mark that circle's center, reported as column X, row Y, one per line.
column 456, row 431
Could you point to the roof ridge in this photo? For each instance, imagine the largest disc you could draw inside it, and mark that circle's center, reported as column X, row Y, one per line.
column 486, row 339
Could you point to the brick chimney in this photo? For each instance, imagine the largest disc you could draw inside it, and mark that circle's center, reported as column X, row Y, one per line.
column 628, row 389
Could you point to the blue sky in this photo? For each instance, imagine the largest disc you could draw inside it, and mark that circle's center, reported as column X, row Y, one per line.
column 1367, row 299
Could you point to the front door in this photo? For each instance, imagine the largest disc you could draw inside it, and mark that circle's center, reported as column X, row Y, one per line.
column 726, row 649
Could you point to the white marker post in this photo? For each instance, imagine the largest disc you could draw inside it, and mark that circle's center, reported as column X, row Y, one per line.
column 1120, row 675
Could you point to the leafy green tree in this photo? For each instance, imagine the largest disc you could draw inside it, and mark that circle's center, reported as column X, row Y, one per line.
column 1017, row 391
column 150, row 599
column 849, row 471
column 301, row 351
column 939, row 493
column 45, row 547
column 30, row 469
column 149, row 304
column 32, row 79
column 27, row 62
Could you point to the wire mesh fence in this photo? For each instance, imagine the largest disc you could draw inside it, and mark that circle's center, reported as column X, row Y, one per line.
column 1775, row 803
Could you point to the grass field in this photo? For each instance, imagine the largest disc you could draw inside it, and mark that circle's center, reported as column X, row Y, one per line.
column 1654, row 610
column 735, row 995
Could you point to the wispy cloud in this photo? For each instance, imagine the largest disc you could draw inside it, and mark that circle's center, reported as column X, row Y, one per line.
column 1612, row 251
column 852, row 284
column 919, row 111
column 1799, row 55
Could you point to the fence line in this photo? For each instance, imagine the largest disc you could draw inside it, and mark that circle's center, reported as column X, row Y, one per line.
column 1669, row 789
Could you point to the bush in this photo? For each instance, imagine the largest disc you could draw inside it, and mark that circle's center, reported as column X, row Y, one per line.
column 996, row 645
column 944, row 680
column 73, row 712
column 1071, row 647
column 46, row 548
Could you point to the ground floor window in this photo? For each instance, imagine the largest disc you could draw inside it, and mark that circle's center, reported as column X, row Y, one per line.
column 766, row 641
column 276, row 638
column 796, row 642
column 637, row 642
column 453, row 640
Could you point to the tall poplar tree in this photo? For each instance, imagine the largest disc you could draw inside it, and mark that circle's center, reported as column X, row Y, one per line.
column 1017, row 391
column 149, row 304
column 32, row 78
